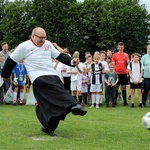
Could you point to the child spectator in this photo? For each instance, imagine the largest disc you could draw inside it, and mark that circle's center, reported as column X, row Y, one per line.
column 58, row 67
column 84, row 90
column 87, row 55
column 109, row 54
column 96, row 81
column 111, row 79
column 108, row 59
column 27, row 86
column 105, row 67
column 88, row 67
column 135, row 72
column 20, row 74
column 76, row 79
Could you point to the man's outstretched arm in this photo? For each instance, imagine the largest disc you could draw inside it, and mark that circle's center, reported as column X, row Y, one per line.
column 8, row 67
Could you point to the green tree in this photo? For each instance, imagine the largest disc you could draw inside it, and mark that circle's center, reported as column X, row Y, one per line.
column 124, row 20
column 54, row 17
column 2, row 13
column 105, row 23
column 15, row 23
column 88, row 26
column 102, row 24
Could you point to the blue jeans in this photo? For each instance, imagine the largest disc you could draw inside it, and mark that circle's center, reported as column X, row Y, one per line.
column 146, row 89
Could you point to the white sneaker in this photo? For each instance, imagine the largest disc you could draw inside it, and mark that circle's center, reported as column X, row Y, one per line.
column 92, row 106
column 97, row 106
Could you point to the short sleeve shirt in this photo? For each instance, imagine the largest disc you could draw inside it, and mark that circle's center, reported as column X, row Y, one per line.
column 111, row 77
column 20, row 72
column 146, row 63
column 136, row 70
column 120, row 60
column 37, row 60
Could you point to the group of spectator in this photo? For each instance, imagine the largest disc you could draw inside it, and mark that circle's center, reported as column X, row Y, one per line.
column 98, row 80
column 18, row 80
column 112, row 72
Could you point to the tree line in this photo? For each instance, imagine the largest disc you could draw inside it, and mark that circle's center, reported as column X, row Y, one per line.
column 92, row 25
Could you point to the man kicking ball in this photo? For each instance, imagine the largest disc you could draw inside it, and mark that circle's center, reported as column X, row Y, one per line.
column 54, row 102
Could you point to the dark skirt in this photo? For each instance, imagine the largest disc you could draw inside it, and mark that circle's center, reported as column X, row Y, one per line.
column 53, row 100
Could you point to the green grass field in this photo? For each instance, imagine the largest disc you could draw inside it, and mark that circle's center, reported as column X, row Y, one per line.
column 117, row 128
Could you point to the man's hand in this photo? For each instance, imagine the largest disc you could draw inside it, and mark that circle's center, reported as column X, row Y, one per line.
column 58, row 47
column 55, row 44
column 76, row 61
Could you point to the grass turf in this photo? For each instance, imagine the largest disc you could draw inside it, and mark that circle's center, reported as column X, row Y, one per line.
column 101, row 129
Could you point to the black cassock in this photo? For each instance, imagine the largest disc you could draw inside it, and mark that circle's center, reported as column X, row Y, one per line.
column 54, row 101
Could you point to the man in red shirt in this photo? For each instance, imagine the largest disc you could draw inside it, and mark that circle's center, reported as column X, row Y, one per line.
column 121, row 59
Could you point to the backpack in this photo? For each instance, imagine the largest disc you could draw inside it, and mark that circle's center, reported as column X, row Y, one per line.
column 139, row 64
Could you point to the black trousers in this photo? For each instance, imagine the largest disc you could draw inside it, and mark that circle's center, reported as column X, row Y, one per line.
column 54, row 102
column 4, row 88
column 146, row 89
column 110, row 94
column 67, row 82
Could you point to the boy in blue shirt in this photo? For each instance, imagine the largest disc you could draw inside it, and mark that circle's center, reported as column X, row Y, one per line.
column 20, row 74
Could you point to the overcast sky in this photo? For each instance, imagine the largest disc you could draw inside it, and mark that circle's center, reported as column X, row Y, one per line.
column 147, row 4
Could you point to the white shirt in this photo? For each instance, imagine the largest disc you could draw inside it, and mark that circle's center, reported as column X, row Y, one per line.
column 78, row 76
column 105, row 65
column 88, row 66
column 37, row 60
column 135, row 71
column 4, row 57
column 66, row 74
column 106, row 68
column 58, row 69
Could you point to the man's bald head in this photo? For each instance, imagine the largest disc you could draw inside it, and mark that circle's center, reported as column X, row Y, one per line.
column 38, row 36
column 38, row 30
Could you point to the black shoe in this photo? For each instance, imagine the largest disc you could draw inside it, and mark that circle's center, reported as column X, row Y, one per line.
column 78, row 110
column 129, row 98
column 125, row 104
column 140, row 105
column 100, row 104
column 132, row 105
column 48, row 131
column 107, row 105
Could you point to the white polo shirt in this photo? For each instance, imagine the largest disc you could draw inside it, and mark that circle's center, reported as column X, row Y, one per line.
column 37, row 60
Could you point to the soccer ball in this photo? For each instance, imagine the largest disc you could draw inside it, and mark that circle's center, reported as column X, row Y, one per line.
column 146, row 121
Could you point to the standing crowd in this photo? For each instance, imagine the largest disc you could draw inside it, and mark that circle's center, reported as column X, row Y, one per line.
column 105, row 76
column 63, row 84
column 98, row 81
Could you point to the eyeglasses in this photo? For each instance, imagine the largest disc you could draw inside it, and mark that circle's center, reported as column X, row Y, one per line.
column 41, row 37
